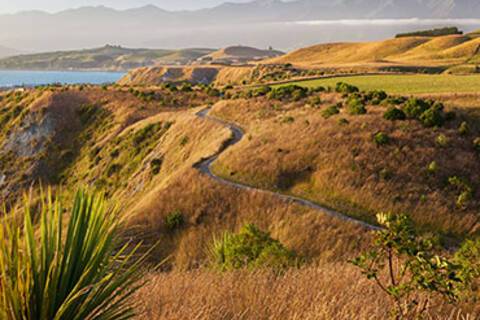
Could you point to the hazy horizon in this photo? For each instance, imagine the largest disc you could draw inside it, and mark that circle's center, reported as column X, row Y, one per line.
column 261, row 23
column 54, row 6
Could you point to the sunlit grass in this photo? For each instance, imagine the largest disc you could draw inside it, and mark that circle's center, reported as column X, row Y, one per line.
column 404, row 84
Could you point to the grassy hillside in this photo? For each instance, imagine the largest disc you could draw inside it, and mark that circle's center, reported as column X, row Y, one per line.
column 105, row 58
column 405, row 51
column 325, row 149
column 141, row 145
column 239, row 55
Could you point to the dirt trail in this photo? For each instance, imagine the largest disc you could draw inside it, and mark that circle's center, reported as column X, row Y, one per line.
column 204, row 166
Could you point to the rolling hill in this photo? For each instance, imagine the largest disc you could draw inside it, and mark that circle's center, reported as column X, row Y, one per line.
column 104, row 58
column 238, row 55
column 444, row 51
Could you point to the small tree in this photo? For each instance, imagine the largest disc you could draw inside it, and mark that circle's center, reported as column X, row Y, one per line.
column 404, row 266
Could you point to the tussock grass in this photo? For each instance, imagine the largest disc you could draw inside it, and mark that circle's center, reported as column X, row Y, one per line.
column 210, row 208
column 331, row 291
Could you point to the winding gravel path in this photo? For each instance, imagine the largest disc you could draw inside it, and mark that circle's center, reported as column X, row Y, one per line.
column 204, row 166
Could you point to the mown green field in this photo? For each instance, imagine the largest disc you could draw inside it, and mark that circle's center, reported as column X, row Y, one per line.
column 403, row 84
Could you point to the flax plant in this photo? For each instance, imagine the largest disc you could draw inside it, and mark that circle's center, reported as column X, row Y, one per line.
column 58, row 269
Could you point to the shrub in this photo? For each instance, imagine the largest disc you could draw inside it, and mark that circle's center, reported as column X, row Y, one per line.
column 355, row 107
column 345, row 88
column 476, row 144
column 407, row 269
column 184, row 141
column 114, row 153
column 112, row 169
column 393, row 113
column 394, row 101
column 174, row 220
column 330, row 111
column 288, row 119
column 376, row 97
column 156, row 165
column 465, row 189
column 315, row 101
column 343, row 122
column 145, row 133
column 213, row 92
column 464, row 128
column 261, row 91
column 290, row 92
column 381, row 139
column 442, row 140
column 432, row 117
column 468, row 256
column 414, row 107
column 432, row 167
column 76, row 273
column 251, row 248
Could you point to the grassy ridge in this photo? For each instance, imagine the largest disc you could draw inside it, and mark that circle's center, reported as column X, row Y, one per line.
column 403, row 84
column 104, row 58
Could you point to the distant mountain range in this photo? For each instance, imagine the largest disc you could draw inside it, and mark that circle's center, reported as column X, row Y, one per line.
column 94, row 26
column 6, row 52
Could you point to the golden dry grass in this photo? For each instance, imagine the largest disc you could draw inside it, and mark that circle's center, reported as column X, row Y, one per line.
column 329, row 291
column 210, row 208
column 340, row 165
column 414, row 51
column 219, row 75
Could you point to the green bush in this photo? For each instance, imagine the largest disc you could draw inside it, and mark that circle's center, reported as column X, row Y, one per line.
column 345, row 88
column 407, row 268
column 394, row 113
column 144, row 133
column 396, row 101
column 184, row 141
column 376, row 97
column 476, row 144
column 113, row 169
column 290, row 92
column 464, row 188
column 381, row 139
column 464, row 128
column 330, row 111
column 468, row 256
column 174, row 220
column 315, row 101
column 251, row 248
column 414, row 108
column 67, row 268
column 156, row 165
column 432, row 167
column 433, row 117
column 442, row 140
column 355, row 107
column 288, row 119
column 261, row 91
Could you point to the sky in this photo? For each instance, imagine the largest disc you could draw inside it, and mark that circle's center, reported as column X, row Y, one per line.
column 12, row 6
